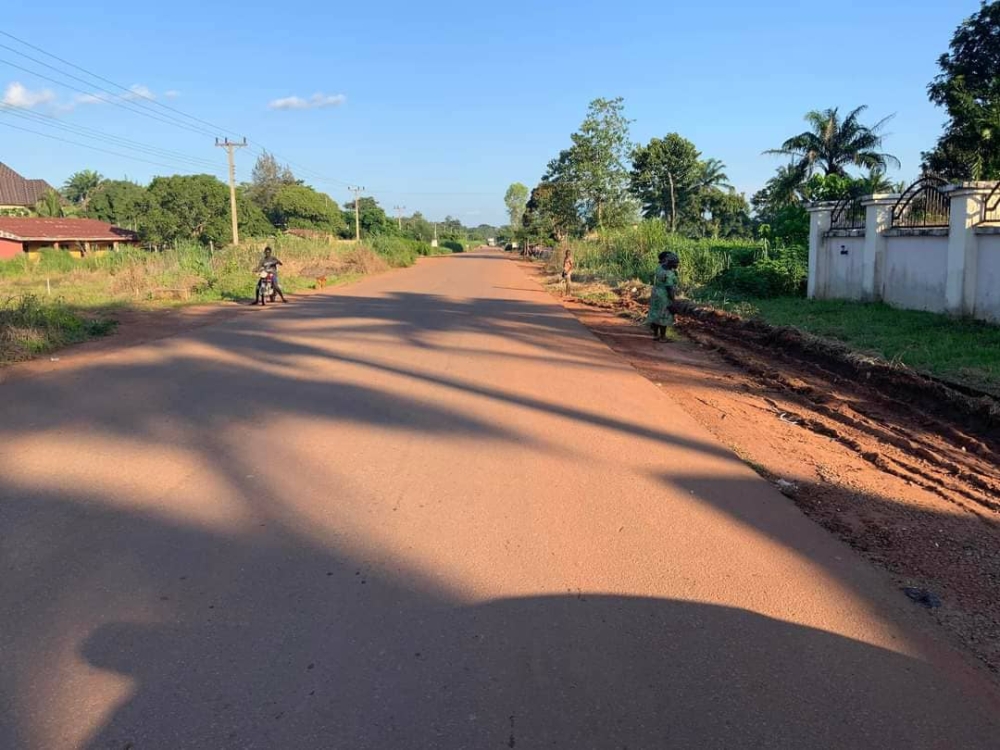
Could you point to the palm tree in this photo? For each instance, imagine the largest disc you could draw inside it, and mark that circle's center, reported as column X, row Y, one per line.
column 80, row 186
column 712, row 175
column 834, row 144
column 50, row 205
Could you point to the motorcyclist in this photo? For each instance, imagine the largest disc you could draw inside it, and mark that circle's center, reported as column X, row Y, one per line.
column 269, row 262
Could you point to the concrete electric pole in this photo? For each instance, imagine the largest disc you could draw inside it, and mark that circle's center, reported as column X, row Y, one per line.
column 399, row 216
column 357, row 190
column 231, row 147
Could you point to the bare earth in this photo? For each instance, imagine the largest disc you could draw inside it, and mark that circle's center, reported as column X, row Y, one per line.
column 430, row 510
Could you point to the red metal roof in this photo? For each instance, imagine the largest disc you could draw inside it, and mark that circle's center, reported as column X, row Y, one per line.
column 17, row 191
column 38, row 229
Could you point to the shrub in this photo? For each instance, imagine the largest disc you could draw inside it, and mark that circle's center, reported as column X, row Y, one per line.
column 29, row 326
column 454, row 245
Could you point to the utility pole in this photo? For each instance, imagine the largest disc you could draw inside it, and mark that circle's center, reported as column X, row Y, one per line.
column 357, row 190
column 231, row 147
column 399, row 216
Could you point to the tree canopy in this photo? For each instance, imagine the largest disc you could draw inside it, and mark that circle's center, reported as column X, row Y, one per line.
column 834, row 143
column 119, row 202
column 196, row 207
column 968, row 87
column 596, row 164
column 297, row 206
column 516, row 199
column 80, row 186
column 373, row 218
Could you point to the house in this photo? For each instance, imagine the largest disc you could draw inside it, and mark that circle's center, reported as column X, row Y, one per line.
column 18, row 193
column 79, row 236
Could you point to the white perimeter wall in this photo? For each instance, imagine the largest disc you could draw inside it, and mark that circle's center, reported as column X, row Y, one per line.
column 914, row 272
column 988, row 278
column 840, row 268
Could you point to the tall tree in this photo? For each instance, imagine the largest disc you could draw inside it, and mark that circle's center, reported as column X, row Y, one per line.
column 196, row 207
column 516, row 199
column 596, row 162
column 267, row 178
column 301, row 207
column 373, row 219
column 725, row 213
column 81, row 185
column 833, row 144
column 119, row 202
column 666, row 176
column 713, row 176
column 968, row 87
column 551, row 212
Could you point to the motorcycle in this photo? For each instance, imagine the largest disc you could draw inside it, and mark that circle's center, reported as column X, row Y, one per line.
column 265, row 287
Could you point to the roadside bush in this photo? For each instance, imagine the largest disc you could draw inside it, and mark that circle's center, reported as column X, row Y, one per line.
column 29, row 326
column 632, row 254
column 454, row 245
column 781, row 272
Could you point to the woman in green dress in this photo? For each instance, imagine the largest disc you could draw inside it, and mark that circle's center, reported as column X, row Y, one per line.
column 661, row 302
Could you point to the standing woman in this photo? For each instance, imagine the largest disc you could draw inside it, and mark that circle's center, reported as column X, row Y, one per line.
column 661, row 302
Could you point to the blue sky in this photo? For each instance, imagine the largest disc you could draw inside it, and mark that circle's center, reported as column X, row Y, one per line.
column 438, row 106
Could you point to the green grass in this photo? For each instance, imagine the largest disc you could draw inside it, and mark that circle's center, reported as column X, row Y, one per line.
column 961, row 350
column 191, row 273
column 30, row 326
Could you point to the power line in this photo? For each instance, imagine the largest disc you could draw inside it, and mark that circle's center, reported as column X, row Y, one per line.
column 130, row 99
column 85, row 145
column 112, row 83
column 95, row 134
column 130, row 104
column 113, row 103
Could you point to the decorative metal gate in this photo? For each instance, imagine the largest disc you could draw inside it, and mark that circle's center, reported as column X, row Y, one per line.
column 923, row 205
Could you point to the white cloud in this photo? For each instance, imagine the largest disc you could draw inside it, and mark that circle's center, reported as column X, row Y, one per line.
column 16, row 95
column 138, row 91
column 316, row 101
column 171, row 94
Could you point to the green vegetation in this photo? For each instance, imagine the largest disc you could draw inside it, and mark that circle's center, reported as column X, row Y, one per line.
column 735, row 267
column 29, row 327
column 53, row 300
column 178, row 209
column 191, row 272
column 967, row 88
column 962, row 350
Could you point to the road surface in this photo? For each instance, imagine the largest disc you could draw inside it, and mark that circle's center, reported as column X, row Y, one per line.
column 427, row 511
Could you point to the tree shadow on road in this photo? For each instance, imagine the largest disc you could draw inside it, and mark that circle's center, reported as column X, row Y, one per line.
column 269, row 640
column 272, row 631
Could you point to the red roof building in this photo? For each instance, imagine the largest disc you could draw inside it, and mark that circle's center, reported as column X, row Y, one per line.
column 18, row 192
column 20, row 235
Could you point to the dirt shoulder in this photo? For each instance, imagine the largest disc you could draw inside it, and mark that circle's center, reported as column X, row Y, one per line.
column 907, row 474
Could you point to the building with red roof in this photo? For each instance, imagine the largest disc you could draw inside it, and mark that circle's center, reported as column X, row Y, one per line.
column 18, row 193
column 26, row 234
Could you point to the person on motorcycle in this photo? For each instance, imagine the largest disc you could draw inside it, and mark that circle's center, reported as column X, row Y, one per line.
column 269, row 262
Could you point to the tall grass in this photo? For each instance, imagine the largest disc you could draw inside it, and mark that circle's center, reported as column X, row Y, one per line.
column 192, row 272
column 739, row 266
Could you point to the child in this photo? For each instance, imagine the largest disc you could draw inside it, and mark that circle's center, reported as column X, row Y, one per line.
column 567, row 272
column 661, row 302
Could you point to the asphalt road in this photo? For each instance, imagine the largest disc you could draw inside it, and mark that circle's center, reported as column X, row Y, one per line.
column 429, row 510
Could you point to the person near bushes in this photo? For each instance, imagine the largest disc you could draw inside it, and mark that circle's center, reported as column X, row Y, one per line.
column 270, row 262
column 567, row 272
column 661, row 302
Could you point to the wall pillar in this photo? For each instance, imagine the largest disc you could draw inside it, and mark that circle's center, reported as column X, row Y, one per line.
column 819, row 224
column 966, row 210
column 878, row 220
